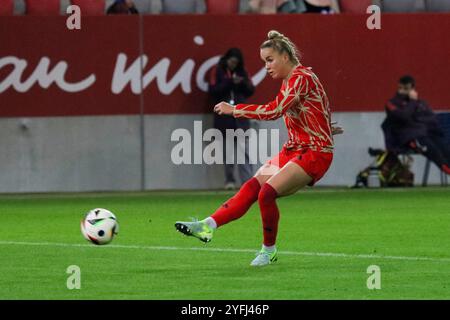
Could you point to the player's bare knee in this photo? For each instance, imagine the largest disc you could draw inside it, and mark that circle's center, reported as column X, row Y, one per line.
column 268, row 170
column 262, row 179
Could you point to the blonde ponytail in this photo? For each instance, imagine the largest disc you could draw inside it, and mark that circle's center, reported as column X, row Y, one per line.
column 282, row 44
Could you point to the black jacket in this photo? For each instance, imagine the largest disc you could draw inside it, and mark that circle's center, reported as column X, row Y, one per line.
column 222, row 88
column 221, row 85
column 407, row 120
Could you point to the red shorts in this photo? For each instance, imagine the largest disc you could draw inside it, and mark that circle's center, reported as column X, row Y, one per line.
column 314, row 163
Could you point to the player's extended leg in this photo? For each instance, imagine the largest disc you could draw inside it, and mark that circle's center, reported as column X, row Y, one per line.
column 288, row 180
column 232, row 209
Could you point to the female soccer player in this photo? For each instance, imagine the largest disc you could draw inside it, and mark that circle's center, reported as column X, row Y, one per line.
column 304, row 158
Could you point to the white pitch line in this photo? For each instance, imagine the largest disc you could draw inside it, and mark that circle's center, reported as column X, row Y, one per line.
column 293, row 253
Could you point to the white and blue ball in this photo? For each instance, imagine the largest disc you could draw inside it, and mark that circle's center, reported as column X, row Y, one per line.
column 99, row 226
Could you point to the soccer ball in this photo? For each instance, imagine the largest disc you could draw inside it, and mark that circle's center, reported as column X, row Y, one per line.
column 99, row 226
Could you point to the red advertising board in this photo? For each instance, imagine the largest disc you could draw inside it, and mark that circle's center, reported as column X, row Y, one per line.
column 48, row 70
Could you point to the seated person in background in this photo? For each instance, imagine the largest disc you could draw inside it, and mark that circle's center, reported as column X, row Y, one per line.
column 183, row 6
column 318, row 6
column 122, row 7
column 271, row 6
column 411, row 125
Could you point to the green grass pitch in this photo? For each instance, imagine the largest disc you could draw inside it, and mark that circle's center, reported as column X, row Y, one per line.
column 327, row 240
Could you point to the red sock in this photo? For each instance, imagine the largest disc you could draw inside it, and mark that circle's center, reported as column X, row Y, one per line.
column 269, row 213
column 239, row 204
column 445, row 168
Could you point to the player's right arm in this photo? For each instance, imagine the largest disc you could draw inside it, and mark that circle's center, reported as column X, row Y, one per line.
column 288, row 95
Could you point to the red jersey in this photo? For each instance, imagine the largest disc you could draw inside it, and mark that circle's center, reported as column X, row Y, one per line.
column 303, row 103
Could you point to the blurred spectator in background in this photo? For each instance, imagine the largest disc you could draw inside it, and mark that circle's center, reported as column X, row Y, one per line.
column 411, row 6
column 401, row 6
column 122, row 7
column 271, row 6
column 438, row 5
column 318, row 6
column 229, row 81
column 183, row 6
column 411, row 125
column 148, row 6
